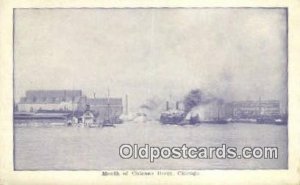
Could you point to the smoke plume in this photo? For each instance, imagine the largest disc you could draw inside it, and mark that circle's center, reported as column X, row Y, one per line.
column 153, row 107
column 197, row 97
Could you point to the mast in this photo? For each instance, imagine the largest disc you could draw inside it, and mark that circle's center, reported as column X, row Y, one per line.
column 218, row 111
column 259, row 106
column 126, row 104
column 167, row 106
column 108, row 106
column 72, row 107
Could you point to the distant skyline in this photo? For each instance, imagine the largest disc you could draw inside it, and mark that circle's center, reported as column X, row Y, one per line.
column 233, row 53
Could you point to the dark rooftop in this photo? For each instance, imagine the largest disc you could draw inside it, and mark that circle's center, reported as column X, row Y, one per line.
column 104, row 101
column 51, row 96
column 52, row 93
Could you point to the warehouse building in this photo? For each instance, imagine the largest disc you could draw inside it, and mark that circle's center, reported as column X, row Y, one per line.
column 252, row 109
column 52, row 100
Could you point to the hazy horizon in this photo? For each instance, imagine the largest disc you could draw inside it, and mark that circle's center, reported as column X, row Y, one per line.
column 233, row 53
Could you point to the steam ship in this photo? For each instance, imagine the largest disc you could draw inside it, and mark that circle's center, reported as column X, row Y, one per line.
column 199, row 114
column 172, row 116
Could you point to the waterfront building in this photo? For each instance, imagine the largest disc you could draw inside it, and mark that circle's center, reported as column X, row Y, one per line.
column 52, row 100
column 252, row 109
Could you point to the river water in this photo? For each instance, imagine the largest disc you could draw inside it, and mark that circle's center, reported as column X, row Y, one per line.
column 73, row 148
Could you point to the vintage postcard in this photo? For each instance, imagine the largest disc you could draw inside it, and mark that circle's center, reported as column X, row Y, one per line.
column 115, row 93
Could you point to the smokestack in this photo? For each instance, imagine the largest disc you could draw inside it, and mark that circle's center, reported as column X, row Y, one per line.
column 88, row 108
column 177, row 105
column 167, row 105
column 126, row 104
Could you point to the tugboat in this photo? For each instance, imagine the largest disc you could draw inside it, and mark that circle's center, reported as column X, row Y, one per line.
column 88, row 117
column 91, row 118
column 82, row 119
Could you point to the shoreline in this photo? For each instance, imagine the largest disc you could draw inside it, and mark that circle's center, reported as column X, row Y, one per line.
column 59, row 122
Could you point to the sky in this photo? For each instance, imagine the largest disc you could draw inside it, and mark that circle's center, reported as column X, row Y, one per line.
column 232, row 53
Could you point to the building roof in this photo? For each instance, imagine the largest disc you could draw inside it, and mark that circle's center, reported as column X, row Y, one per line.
column 53, row 93
column 51, row 96
column 104, row 101
column 270, row 103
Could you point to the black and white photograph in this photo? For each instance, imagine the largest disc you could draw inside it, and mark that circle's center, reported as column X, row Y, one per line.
column 195, row 88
